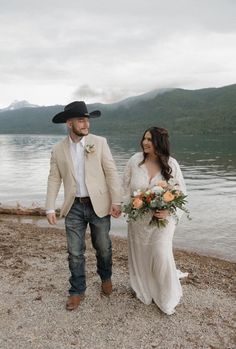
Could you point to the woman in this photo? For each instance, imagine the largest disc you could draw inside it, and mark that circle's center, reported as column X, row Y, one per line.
column 153, row 274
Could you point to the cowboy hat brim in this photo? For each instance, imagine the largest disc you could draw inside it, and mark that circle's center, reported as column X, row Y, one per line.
column 62, row 117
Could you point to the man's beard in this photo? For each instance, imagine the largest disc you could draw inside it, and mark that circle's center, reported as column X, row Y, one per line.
column 78, row 133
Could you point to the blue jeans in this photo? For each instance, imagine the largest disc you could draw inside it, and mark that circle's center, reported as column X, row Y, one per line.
column 76, row 221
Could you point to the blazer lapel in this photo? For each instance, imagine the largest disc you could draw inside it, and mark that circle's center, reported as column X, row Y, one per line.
column 88, row 141
column 66, row 147
column 88, row 156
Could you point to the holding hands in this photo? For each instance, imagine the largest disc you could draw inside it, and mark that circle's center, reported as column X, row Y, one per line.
column 115, row 210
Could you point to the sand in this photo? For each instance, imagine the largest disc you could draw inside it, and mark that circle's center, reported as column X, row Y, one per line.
column 34, row 283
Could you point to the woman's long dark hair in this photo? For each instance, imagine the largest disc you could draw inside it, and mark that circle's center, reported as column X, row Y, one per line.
column 160, row 141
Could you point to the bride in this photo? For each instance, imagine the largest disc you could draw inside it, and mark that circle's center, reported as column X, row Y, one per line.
column 152, row 270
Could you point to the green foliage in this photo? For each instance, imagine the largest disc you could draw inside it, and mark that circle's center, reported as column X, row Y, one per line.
column 30, row 121
column 205, row 111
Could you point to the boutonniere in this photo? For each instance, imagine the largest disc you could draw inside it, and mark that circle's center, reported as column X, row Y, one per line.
column 90, row 148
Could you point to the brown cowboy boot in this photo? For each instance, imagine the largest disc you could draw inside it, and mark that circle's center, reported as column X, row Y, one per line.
column 74, row 301
column 106, row 287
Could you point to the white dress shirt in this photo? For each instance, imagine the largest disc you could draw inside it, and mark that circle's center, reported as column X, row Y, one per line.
column 78, row 153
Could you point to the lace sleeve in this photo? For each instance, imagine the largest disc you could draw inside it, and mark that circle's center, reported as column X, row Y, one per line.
column 126, row 189
column 178, row 176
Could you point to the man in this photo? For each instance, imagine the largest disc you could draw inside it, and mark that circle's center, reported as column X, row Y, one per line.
column 92, row 193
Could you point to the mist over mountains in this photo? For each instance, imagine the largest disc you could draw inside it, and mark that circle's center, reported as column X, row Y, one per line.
column 19, row 105
column 204, row 111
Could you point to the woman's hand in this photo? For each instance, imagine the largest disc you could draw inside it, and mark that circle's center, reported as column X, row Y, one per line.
column 161, row 214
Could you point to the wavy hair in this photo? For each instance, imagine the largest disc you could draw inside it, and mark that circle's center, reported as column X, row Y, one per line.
column 160, row 141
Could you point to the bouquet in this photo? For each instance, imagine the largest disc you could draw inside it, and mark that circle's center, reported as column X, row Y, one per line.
column 163, row 196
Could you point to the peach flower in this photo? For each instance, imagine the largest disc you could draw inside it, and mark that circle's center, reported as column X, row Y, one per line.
column 168, row 196
column 137, row 203
column 162, row 184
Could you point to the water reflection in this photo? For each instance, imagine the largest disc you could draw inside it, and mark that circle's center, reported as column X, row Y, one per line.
column 208, row 164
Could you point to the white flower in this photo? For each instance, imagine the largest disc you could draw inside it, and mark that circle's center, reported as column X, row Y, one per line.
column 153, row 204
column 90, row 148
column 137, row 192
column 157, row 189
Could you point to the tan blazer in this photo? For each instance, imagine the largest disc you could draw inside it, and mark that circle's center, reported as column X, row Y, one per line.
column 101, row 176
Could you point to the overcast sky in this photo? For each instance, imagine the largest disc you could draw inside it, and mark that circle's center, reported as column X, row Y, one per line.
column 57, row 51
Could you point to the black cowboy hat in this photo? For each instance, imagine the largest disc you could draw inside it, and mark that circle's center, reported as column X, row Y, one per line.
column 75, row 110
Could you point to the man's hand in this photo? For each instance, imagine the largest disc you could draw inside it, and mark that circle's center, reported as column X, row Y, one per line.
column 115, row 210
column 51, row 217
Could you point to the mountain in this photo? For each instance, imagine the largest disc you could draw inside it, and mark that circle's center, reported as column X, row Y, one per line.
column 204, row 111
column 31, row 121
column 19, row 105
column 143, row 97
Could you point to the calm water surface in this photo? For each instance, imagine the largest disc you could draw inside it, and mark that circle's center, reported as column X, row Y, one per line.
column 208, row 165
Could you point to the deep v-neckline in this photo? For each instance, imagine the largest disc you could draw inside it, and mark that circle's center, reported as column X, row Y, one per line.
column 148, row 175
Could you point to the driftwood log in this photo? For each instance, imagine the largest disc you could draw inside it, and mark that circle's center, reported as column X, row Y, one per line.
column 24, row 211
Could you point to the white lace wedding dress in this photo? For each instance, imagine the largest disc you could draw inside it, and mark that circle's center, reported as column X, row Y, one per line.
column 152, row 270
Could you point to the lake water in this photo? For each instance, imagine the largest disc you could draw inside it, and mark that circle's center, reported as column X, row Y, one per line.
column 208, row 164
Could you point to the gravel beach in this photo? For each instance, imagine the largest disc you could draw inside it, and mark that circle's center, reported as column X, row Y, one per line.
column 34, row 283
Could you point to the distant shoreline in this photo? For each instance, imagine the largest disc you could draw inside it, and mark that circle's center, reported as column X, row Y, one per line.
column 41, row 222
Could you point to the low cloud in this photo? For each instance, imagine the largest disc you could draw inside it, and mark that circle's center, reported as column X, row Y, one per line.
column 51, row 52
column 95, row 95
column 85, row 91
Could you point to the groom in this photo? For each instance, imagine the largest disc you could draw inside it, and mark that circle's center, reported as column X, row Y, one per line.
column 92, row 194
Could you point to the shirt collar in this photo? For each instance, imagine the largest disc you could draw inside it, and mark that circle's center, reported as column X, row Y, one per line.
column 82, row 141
